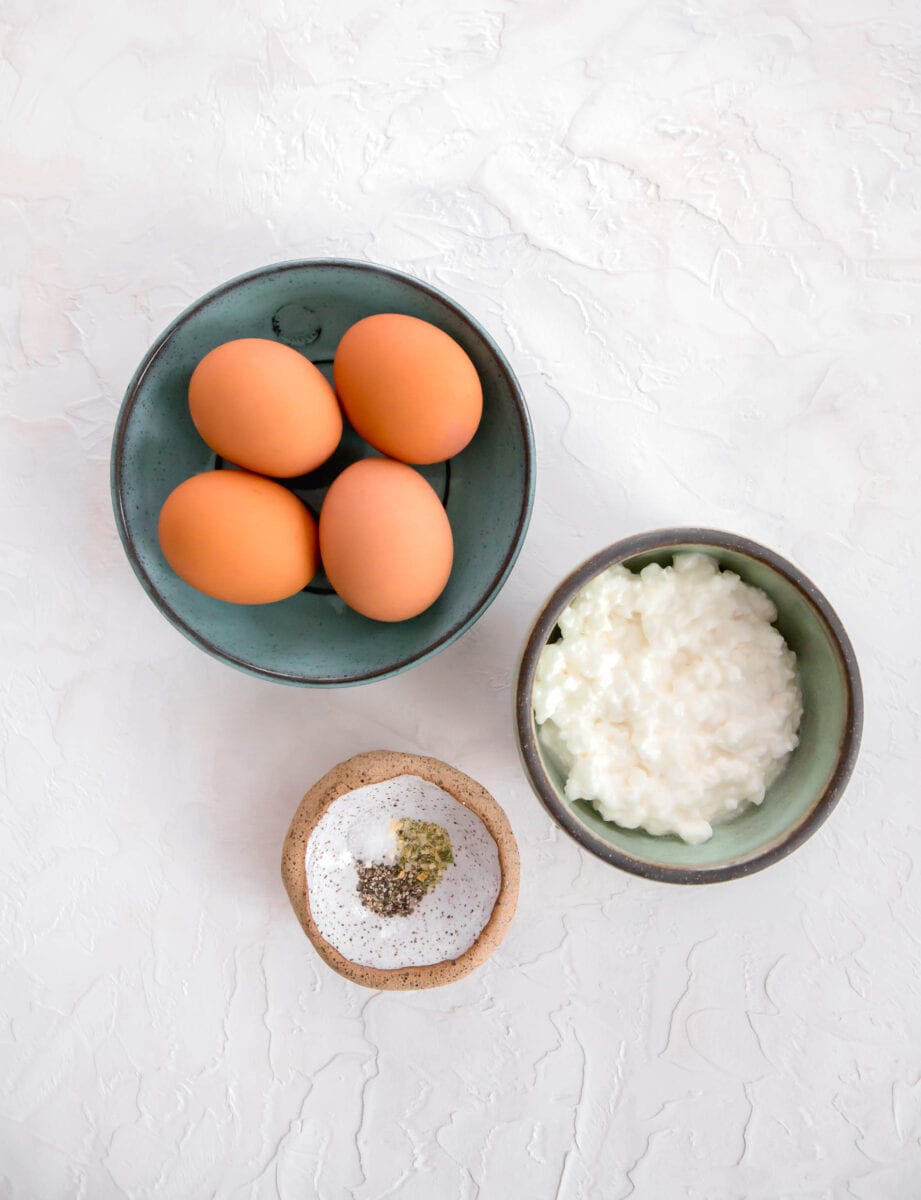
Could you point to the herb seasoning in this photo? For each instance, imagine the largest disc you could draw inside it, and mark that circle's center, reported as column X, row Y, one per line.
column 424, row 849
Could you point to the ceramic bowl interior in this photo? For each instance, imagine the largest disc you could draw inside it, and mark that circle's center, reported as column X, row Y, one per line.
column 818, row 770
column 312, row 639
column 374, row 767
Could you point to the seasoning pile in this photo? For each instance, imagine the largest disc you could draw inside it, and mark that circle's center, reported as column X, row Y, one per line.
column 394, row 889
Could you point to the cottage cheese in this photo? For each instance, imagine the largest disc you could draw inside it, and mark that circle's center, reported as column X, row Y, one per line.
column 670, row 702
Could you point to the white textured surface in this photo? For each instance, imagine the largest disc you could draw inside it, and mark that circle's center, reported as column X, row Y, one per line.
column 694, row 227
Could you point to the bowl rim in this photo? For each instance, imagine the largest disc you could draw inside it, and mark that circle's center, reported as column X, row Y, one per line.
column 665, row 539
column 117, row 475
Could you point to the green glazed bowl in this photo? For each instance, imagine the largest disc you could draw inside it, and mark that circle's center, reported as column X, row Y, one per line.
column 829, row 736
column 312, row 639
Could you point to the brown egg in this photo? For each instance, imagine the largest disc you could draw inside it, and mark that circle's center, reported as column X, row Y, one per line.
column 385, row 540
column 238, row 537
column 265, row 407
column 408, row 388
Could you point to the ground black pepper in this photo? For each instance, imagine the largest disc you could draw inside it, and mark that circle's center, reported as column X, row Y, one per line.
column 388, row 889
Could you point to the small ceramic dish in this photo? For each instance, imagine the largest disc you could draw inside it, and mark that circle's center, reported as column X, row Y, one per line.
column 455, row 928
column 312, row 639
column 813, row 780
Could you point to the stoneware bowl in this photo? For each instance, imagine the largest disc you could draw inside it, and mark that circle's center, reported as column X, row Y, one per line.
column 817, row 773
column 312, row 639
column 376, row 766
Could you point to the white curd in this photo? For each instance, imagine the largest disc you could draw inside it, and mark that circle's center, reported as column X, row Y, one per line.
column 671, row 702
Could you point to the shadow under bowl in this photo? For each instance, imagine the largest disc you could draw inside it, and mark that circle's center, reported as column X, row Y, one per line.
column 312, row 639
column 817, row 773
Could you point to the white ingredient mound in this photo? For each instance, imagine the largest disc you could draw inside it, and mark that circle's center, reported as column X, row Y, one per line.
column 671, row 701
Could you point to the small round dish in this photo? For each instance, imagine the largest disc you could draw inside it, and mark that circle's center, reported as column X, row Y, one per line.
column 313, row 639
column 377, row 767
column 817, row 773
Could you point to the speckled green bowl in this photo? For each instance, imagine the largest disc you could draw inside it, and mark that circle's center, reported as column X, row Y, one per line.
column 817, row 773
column 312, row 639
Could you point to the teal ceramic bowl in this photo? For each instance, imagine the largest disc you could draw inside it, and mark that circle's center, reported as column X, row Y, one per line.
column 829, row 735
column 312, row 639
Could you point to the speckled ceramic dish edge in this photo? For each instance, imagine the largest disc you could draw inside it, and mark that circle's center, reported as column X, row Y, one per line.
column 375, row 766
column 450, row 635
column 771, row 852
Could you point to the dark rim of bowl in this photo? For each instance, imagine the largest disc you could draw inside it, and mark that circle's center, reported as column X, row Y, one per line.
column 487, row 596
column 786, row 843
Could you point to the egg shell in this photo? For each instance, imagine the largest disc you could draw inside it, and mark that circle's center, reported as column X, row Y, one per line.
column 385, row 540
column 408, row 388
column 265, row 407
column 238, row 537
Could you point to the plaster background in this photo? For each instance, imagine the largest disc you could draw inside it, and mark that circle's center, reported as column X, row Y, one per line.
column 694, row 228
